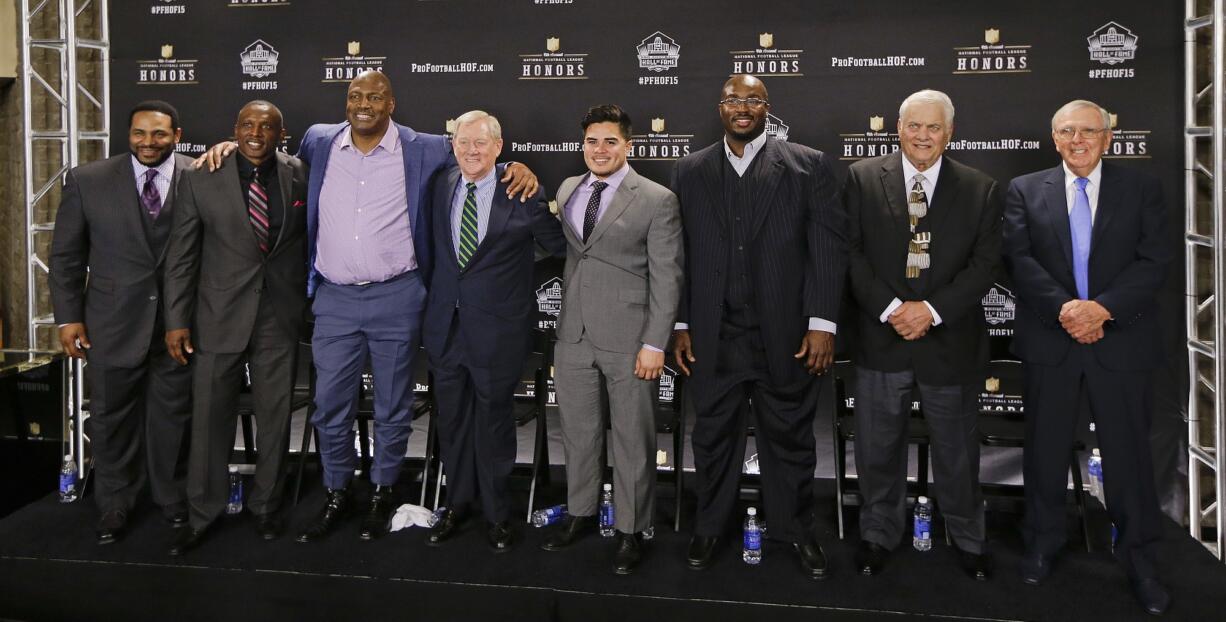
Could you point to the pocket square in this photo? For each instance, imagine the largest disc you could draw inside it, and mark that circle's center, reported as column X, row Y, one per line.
column 299, row 203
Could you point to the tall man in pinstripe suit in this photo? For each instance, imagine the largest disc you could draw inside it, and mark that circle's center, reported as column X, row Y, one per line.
column 767, row 256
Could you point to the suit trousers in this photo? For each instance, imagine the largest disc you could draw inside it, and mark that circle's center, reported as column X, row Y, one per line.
column 883, row 406
column 783, row 417
column 382, row 321
column 1120, row 403
column 476, row 426
column 580, row 370
column 139, row 423
column 271, row 356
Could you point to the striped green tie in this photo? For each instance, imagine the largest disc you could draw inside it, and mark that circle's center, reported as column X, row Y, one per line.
column 468, row 226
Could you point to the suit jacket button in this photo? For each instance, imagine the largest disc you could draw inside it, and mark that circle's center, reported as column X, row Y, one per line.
column 153, row 298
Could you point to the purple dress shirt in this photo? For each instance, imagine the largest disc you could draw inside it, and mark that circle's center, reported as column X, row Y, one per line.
column 364, row 230
column 576, row 206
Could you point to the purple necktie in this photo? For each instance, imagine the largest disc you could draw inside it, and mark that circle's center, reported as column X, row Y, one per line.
column 149, row 196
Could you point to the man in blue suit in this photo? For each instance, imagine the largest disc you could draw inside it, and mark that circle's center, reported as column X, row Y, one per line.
column 1085, row 244
column 369, row 254
column 478, row 323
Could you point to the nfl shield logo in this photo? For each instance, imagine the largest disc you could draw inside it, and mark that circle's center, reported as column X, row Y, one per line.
column 876, row 124
column 657, row 125
column 1115, row 119
column 992, row 385
column 553, row 44
column 355, row 48
column 450, row 127
column 991, row 36
column 766, row 40
column 168, row 51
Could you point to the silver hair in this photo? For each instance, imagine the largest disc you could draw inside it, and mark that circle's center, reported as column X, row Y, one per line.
column 1078, row 104
column 473, row 116
column 929, row 96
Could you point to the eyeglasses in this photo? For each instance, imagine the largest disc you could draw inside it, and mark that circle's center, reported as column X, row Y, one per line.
column 1088, row 133
column 737, row 102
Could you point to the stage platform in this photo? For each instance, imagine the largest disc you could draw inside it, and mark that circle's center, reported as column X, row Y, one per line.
column 51, row 569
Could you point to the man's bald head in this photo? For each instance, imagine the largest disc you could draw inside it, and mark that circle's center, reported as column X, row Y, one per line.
column 743, row 106
column 369, row 104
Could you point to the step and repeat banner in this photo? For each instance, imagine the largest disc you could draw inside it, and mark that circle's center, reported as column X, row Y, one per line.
column 836, row 71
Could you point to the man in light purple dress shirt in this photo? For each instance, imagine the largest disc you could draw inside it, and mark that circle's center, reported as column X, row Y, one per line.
column 369, row 262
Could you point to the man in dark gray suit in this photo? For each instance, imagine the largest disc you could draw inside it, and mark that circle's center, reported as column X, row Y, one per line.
column 235, row 294
column 621, row 286
column 766, row 262
column 106, row 291
column 925, row 246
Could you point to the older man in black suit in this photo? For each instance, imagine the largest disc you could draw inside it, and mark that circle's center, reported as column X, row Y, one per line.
column 925, row 246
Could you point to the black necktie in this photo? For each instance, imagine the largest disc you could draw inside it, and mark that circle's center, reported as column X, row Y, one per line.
column 593, row 207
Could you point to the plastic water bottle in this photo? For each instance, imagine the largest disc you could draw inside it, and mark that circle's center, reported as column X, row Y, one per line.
column 1094, row 468
column 606, row 511
column 235, row 506
column 922, row 540
column 68, row 480
column 751, row 553
column 548, row 516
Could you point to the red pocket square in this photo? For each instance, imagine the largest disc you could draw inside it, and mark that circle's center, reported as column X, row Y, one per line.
column 299, row 203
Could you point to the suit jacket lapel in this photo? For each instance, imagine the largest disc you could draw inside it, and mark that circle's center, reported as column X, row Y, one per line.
column 894, row 187
column 442, row 222
column 236, row 206
column 625, row 195
column 500, row 211
column 413, row 154
column 944, row 198
column 129, row 203
column 1108, row 197
column 765, row 172
column 565, row 191
column 1056, row 204
column 285, row 179
column 711, row 171
column 181, row 164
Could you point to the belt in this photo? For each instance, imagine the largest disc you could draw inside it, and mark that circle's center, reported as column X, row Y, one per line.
column 369, row 283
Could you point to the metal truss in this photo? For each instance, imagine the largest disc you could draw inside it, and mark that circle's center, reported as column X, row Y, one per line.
column 1205, row 243
column 65, row 53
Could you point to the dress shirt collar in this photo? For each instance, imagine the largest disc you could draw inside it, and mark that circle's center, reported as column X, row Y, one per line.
column 930, row 176
column 613, row 180
column 482, row 184
column 390, row 141
column 751, row 148
column 166, row 169
column 1095, row 175
column 266, row 168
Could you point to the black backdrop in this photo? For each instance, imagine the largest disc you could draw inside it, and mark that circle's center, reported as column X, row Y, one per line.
column 832, row 67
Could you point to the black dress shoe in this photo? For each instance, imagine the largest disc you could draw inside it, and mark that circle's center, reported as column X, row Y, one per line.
column 812, row 558
column 976, row 565
column 268, row 526
column 1152, row 595
column 111, row 525
column 185, row 539
column 1035, row 568
column 175, row 514
column 870, row 558
column 329, row 518
column 701, row 551
column 629, row 552
column 568, row 531
column 383, row 502
column 447, row 526
column 500, row 537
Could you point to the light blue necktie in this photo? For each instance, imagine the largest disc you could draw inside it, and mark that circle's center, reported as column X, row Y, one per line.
column 1081, row 224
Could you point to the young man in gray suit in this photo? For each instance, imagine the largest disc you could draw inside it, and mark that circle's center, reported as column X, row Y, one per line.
column 235, row 294
column 622, row 284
